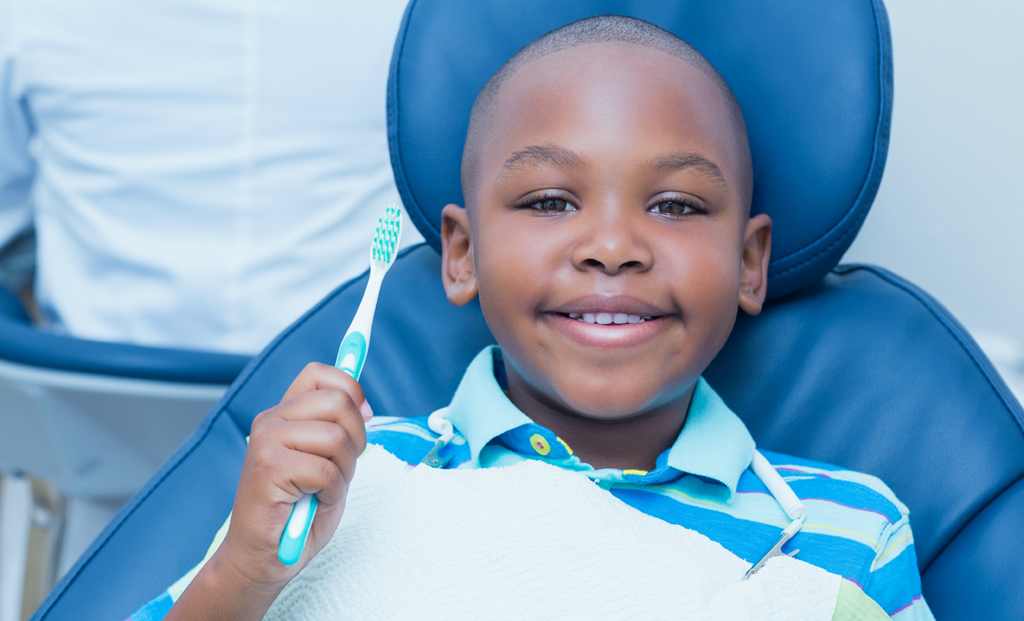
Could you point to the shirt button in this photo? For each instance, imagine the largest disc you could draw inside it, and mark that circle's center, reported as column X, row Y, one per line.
column 539, row 444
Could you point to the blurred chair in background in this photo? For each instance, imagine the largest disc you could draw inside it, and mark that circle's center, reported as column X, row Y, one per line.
column 194, row 175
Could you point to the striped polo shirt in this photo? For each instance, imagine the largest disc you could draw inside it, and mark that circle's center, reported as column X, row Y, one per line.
column 855, row 526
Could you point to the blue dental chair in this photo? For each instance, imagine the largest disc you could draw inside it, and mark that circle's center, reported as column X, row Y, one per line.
column 849, row 365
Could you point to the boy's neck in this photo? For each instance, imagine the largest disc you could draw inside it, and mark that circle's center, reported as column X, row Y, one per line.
column 631, row 444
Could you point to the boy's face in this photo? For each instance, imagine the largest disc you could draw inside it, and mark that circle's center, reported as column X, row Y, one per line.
column 610, row 186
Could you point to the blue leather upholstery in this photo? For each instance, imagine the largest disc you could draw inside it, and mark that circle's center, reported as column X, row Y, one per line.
column 858, row 368
column 814, row 80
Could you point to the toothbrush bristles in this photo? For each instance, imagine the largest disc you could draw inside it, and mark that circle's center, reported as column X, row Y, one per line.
column 385, row 239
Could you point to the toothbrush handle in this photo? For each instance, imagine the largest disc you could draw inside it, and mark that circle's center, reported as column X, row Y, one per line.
column 293, row 539
column 352, row 353
column 351, row 356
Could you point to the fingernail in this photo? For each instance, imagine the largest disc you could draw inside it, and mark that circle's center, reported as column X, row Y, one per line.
column 366, row 410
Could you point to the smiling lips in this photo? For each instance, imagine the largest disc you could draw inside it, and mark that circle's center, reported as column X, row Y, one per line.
column 599, row 320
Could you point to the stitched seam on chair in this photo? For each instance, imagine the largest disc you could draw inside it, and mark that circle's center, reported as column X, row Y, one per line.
column 976, row 514
column 430, row 234
column 871, row 167
column 854, row 227
column 223, row 409
column 945, row 324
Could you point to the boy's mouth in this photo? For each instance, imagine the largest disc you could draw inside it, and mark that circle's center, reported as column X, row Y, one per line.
column 609, row 318
column 607, row 329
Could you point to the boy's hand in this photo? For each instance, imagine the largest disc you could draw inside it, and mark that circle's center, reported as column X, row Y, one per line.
column 307, row 444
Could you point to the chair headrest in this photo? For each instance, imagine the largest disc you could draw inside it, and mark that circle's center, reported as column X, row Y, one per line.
column 814, row 80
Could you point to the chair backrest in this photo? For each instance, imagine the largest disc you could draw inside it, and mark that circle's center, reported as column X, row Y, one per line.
column 855, row 366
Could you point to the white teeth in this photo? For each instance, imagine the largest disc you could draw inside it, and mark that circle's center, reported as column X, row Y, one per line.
column 608, row 318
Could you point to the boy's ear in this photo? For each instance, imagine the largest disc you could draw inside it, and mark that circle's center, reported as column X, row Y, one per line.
column 457, row 270
column 757, row 250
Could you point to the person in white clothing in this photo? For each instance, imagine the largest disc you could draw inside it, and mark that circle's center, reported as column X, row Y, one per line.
column 198, row 174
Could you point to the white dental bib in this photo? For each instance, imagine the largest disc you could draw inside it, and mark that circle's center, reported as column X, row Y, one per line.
column 529, row 541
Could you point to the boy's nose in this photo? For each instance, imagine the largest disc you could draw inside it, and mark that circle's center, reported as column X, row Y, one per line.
column 612, row 246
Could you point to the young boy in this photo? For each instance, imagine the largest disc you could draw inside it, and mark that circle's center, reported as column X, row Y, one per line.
column 607, row 233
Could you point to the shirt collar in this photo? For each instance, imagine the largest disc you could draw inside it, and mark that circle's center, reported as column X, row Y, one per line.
column 714, row 443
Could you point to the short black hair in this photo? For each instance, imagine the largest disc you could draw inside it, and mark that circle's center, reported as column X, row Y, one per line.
column 599, row 29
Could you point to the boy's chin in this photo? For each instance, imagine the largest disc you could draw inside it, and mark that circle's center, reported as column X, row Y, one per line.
column 609, row 408
column 621, row 394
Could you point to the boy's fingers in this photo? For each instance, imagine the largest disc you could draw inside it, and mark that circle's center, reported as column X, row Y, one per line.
column 281, row 475
column 323, row 439
column 333, row 406
column 317, row 376
column 311, row 474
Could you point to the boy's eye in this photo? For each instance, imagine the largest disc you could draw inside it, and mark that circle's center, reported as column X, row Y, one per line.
column 678, row 207
column 549, row 204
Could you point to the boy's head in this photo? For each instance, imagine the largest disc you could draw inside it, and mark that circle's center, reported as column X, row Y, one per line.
column 607, row 177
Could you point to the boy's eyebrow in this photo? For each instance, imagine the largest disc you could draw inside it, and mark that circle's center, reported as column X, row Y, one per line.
column 680, row 161
column 538, row 155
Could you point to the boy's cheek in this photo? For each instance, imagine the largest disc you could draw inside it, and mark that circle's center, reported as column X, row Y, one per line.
column 511, row 269
column 710, row 294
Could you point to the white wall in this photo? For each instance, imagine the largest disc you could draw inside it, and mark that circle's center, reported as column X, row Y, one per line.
column 950, row 211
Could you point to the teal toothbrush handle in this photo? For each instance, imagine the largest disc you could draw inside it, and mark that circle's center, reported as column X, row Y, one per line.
column 352, row 353
column 351, row 356
column 293, row 539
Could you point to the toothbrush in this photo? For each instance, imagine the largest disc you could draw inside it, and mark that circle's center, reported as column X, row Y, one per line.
column 351, row 356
